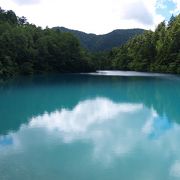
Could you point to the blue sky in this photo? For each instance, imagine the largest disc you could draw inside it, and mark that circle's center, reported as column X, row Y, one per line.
column 166, row 8
column 94, row 16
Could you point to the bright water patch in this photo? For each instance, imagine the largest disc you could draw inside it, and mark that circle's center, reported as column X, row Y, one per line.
column 130, row 74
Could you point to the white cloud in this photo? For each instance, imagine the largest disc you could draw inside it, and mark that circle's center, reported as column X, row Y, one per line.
column 93, row 16
column 138, row 11
column 83, row 116
column 22, row 2
column 175, row 169
column 115, row 130
column 98, row 121
column 148, row 126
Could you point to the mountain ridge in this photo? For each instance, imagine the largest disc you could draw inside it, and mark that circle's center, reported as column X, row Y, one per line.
column 103, row 42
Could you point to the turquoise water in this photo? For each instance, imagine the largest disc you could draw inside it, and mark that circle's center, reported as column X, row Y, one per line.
column 108, row 126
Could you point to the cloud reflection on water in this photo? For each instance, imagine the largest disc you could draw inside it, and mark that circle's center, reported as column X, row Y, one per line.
column 84, row 117
column 114, row 129
column 106, row 124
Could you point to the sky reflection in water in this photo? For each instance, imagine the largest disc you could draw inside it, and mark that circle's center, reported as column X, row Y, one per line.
column 114, row 130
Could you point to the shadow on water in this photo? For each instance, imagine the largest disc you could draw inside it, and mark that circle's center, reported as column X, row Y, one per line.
column 24, row 97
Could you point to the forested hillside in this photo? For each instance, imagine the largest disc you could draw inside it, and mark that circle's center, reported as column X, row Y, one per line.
column 105, row 42
column 157, row 51
column 27, row 49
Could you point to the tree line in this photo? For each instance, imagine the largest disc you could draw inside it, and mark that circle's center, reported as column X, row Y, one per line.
column 28, row 49
column 157, row 51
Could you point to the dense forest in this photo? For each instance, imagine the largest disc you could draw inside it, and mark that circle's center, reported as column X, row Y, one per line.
column 157, row 51
column 28, row 49
column 105, row 42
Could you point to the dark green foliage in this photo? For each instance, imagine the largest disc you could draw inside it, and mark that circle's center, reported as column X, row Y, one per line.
column 27, row 49
column 97, row 43
column 101, row 60
column 8, row 16
column 172, row 19
column 157, row 51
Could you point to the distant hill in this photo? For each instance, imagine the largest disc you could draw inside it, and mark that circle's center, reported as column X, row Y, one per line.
column 103, row 42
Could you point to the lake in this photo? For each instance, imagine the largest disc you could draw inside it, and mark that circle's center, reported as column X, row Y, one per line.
column 108, row 125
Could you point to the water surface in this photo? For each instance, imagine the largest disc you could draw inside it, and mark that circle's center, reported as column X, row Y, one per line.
column 83, row 127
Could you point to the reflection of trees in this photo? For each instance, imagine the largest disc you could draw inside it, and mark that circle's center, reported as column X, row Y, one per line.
column 25, row 97
column 161, row 94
